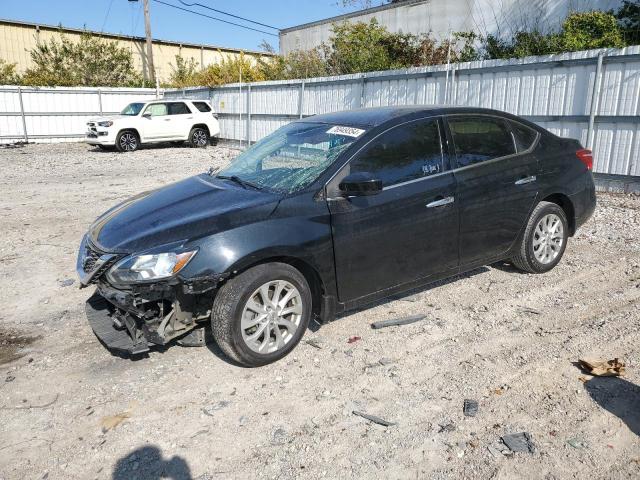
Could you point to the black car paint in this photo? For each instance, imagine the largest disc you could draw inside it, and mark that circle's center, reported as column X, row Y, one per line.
column 352, row 250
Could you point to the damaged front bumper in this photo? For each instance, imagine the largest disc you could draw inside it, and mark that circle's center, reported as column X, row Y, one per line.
column 130, row 321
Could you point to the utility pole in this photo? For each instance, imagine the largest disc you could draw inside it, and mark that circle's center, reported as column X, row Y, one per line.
column 147, row 30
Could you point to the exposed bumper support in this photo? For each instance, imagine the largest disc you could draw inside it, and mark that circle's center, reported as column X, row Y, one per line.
column 101, row 320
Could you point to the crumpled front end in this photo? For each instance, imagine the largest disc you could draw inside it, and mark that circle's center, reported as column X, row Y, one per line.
column 130, row 319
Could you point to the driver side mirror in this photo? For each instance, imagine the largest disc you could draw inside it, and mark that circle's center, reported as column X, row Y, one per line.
column 147, row 116
column 360, row 184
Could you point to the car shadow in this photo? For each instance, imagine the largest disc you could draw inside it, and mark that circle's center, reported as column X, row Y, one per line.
column 147, row 463
column 619, row 397
column 416, row 291
column 151, row 146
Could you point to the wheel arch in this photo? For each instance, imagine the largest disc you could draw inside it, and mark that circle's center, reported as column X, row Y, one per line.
column 130, row 129
column 564, row 202
column 201, row 125
column 310, row 273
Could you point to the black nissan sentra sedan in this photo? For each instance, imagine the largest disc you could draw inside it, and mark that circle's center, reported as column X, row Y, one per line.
column 328, row 214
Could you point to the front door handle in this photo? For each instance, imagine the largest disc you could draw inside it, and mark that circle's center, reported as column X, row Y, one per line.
column 525, row 180
column 441, row 202
column 167, row 119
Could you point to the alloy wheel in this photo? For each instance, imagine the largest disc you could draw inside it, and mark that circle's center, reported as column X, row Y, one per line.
column 128, row 142
column 200, row 137
column 271, row 317
column 548, row 238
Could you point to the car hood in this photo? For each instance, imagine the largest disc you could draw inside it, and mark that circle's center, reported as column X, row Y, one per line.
column 113, row 118
column 192, row 208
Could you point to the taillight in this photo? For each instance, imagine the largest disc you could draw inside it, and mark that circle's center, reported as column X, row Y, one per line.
column 586, row 157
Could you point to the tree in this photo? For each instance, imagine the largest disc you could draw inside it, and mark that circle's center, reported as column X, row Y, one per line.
column 91, row 61
column 629, row 20
column 184, row 73
column 8, row 75
column 595, row 29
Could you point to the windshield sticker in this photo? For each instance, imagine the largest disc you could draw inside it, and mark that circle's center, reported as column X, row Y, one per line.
column 347, row 131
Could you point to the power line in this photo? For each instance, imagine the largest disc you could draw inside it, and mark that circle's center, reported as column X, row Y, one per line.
column 104, row 22
column 214, row 18
column 226, row 13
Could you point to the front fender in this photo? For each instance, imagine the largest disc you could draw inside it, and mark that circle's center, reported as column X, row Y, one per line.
column 303, row 237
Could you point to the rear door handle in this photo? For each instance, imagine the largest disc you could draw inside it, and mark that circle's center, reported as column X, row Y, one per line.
column 167, row 119
column 440, row 202
column 525, row 180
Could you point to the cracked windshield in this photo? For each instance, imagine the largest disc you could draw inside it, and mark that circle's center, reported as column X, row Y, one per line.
column 292, row 157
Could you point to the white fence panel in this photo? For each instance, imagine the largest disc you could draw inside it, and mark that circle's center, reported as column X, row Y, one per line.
column 59, row 114
column 555, row 91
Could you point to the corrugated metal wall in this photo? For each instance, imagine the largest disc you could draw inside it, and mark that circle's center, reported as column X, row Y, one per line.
column 59, row 114
column 555, row 91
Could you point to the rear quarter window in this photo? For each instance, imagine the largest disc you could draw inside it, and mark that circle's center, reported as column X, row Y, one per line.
column 202, row 106
column 524, row 136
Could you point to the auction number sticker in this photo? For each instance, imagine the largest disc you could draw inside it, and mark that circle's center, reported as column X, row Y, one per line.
column 347, row 131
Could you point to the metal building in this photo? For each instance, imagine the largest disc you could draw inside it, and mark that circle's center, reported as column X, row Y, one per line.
column 18, row 38
column 440, row 17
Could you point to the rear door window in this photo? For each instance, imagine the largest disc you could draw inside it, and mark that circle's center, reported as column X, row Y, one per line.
column 202, row 106
column 178, row 108
column 523, row 136
column 478, row 139
column 406, row 152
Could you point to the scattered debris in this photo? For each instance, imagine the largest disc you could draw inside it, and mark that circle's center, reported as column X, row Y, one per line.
column 315, row 342
column 374, row 419
column 397, row 321
column 447, row 427
column 470, row 408
column 530, row 310
column 519, row 442
column 112, row 421
column 385, row 361
column 577, row 443
column 67, row 282
column 27, row 407
column 354, row 339
column 10, row 378
column 279, row 436
column 209, row 410
column 603, row 368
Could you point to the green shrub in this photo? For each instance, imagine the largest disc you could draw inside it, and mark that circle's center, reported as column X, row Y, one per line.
column 8, row 75
column 91, row 61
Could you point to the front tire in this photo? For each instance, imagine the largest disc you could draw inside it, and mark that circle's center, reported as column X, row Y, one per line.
column 259, row 316
column 127, row 141
column 544, row 240
column 198, row 137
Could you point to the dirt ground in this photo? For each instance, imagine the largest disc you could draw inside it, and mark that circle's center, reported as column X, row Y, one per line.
column 71, row 410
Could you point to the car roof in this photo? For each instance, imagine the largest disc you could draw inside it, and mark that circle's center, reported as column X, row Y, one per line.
column 164, row 100
column 372, row 117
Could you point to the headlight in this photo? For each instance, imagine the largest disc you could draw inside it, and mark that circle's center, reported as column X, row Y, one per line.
column 142, row 268
column 108, row 123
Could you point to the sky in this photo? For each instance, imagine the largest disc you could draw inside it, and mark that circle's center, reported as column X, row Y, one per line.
column 125, row 17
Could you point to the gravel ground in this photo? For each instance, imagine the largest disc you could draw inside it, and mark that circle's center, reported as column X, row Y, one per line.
column 70, row 410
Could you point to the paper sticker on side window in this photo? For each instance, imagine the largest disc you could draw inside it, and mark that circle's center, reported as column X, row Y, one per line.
column 347, row 131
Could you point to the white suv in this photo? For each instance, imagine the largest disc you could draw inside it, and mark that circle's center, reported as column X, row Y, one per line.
column 139, row 123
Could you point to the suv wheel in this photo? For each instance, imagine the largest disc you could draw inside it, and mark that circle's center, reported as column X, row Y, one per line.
column 544, row 240
column 127, row 141
column 259, row 316
column 198, row 137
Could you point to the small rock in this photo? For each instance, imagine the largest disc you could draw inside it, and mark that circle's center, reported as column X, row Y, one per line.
column 279, row 436
column 577, row 443
column 519, row 442
column 10, row 378
column 470, row 408
column 242, row 421
column 209, row 410
column 67, row 282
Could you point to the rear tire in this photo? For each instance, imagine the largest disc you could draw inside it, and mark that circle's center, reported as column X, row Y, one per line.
column 544, row 240
column 198, row 137
column 127, row 141
column 255, row 331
